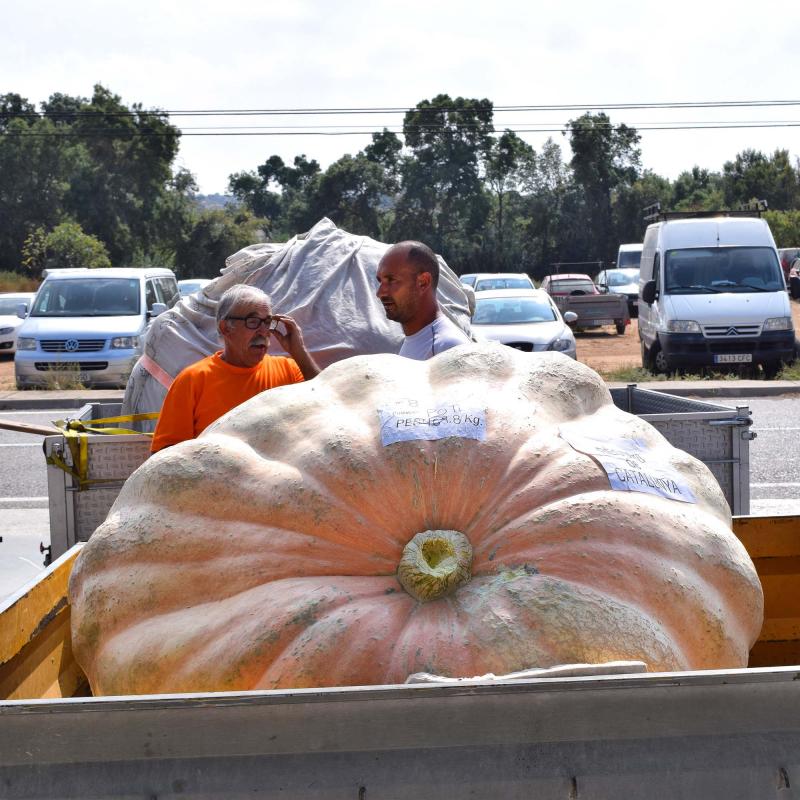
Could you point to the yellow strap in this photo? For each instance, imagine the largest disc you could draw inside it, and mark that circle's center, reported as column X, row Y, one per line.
column 76, row 434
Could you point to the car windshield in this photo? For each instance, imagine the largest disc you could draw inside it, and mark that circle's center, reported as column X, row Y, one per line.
column 568, row 285
column 502, row 283
column 623, row 277
column 703, row 270
column 8, row 305
column 87, row 297
column 629, row 258
column 189, row 288
column 469, row 280
column 511, row 311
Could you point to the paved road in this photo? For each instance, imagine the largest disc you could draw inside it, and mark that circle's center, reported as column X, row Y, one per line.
column 24, row 520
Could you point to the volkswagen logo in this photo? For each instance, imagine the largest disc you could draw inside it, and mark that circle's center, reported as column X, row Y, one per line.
column 71, row 345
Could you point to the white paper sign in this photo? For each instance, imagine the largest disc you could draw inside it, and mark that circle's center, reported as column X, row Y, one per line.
column 408, row 418
column 632, row 467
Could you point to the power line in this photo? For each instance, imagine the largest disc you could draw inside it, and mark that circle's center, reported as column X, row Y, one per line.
column 322, row 111
column 219, row 131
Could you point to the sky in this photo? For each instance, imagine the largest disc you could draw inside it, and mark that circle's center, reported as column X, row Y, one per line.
column 238, row 54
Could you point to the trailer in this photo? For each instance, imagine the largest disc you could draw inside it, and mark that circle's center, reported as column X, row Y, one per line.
column 732, row 734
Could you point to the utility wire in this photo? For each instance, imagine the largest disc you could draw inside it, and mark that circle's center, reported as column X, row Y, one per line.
column 113, row 133
column 67, row 114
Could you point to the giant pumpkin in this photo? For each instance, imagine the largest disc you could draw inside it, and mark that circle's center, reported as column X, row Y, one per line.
column 296, row 544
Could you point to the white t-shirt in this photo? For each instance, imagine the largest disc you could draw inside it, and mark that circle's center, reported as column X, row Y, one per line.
column 440, row 335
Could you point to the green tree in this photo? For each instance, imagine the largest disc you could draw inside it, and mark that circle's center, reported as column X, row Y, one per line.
column 14, row 106
column 115, row 190
column 754, row 175
column 548, row 189
column 37, row 164
column 698, row 190
column 443, row 200
column 350, row 192
column 215, row 235
column 605, row 159
column 507, row 165
column 629, row 202
column 66, row 246
column 785, row 227
column 287, row 209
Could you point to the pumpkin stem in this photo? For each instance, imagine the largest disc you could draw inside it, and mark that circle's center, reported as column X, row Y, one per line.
column 434, row 564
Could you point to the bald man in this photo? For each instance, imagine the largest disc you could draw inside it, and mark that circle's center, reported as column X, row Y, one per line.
column 408, row 275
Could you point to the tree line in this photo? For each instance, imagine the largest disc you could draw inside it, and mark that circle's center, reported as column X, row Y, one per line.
column 91, row 181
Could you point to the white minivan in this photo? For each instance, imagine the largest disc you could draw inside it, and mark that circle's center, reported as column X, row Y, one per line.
column 89, row 324
column 712, row 294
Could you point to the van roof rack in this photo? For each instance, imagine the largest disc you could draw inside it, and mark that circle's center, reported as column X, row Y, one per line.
column 653, row 212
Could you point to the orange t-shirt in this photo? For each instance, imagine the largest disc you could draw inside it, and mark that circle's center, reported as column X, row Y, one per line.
column 211, row 387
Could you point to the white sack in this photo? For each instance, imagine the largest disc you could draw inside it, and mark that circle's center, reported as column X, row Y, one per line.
column 325, row 279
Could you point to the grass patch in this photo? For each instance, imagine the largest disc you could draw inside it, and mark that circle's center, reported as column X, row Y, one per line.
column 791, row 373
column 633, row 374
column 16, row 282
column 64, row 378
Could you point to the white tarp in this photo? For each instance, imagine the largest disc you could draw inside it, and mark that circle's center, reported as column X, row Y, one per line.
column 325, row 279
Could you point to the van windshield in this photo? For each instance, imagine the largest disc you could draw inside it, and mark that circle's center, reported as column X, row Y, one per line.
column 629, row 258
column 88, row 297
column 702, row 270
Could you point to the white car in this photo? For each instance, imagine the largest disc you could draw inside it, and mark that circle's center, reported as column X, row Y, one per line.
column 190, row 285
column 484, row 281
column 9, row 321
column 526, row 319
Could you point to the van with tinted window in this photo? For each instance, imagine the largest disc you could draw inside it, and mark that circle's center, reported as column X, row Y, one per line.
column 712, row 294
column 87, row 326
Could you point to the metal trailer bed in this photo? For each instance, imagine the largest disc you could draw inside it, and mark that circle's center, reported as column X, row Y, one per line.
column 715, row 735
column 717, row 435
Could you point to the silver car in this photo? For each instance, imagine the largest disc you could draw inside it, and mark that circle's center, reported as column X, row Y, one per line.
column 88, row 325
column 10, row 321
column 621, row 281
column 526, row 319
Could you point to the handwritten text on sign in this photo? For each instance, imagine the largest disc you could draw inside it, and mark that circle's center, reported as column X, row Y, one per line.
column 632, row 467
column 407, row 419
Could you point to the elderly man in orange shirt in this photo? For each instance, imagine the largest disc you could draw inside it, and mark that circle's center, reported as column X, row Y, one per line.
column 211, row 387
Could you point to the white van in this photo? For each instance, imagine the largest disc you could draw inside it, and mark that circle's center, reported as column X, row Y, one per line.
column 89, row 324
column 629, row 256
column 711, row 293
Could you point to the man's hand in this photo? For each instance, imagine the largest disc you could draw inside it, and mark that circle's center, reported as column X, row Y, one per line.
column 292, row 342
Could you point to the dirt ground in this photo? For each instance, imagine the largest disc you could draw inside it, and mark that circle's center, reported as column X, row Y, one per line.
column 602, row 350
column 606, row 352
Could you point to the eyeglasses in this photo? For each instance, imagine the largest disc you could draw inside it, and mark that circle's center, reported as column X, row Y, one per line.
column 254, row 323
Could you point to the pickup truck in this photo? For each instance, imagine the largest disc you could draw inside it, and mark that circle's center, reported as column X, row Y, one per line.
column 732, row 734
column 578, row 293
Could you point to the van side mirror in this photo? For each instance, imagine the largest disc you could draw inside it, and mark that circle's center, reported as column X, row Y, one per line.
column 22, row 310
column 603, row 288
column 649, row 292
column 158, row 308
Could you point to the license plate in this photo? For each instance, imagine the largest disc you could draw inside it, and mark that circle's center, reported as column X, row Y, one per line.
column 734, row 358
column 603, row 322
column 83, row 377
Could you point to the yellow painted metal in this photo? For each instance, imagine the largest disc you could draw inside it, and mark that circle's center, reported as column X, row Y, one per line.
column 35, row 645
column 774, row 545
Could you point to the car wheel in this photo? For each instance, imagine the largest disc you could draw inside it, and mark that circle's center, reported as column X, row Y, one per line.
column 771, row 369
column 660, row 362
column 645, row 356
column 620, row 328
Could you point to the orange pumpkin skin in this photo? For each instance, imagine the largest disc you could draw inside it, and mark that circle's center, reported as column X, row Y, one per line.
column 265, row 553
